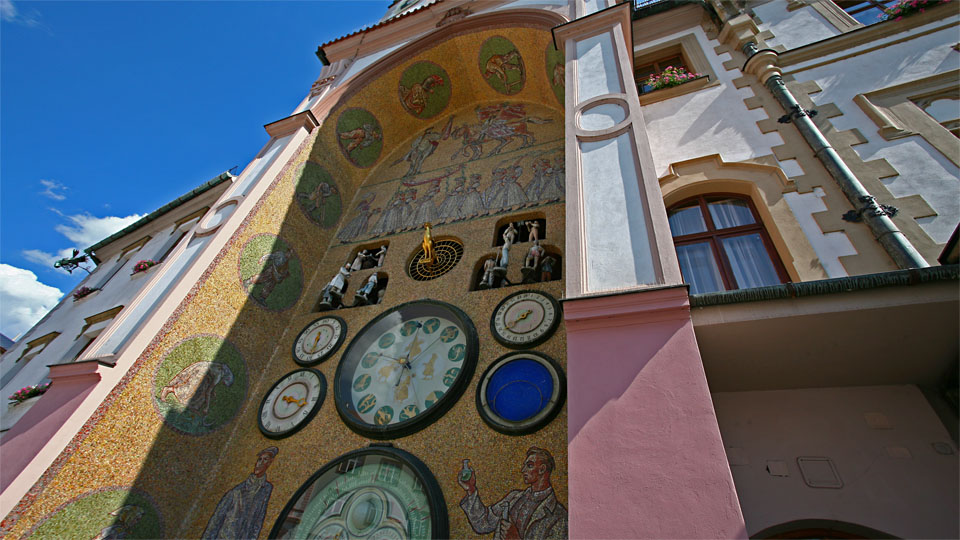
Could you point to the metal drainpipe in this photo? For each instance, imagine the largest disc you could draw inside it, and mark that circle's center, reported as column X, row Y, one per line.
column 876, row 216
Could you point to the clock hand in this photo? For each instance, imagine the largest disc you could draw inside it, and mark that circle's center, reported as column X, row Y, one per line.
column 298, row 402
column 520, row 317
column 390, row 358
column 425, row 350
column 413, row 341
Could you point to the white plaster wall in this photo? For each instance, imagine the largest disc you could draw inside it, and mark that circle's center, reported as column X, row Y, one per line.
column 795, row 28
column 68, row 317
column 708, row 121
column 908, row 497
column 828, row 247
column 923, row 169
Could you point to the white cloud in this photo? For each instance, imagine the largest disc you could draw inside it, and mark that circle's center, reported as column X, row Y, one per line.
column 43, row 258
column 87, row 230
column 24, row 300
column 10, row 13
column 51, row 187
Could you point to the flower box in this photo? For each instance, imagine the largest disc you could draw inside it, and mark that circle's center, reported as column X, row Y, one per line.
column 28, row 392
column 83, row 292
column 143, row 266
column 906, row 8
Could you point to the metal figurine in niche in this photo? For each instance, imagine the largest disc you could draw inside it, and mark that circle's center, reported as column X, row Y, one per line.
column 332, row 293
column 367, row 294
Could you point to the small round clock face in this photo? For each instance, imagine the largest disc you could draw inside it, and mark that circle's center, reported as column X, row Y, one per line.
column 405, row 369
column 319, row 340
column 521, row 392
column 525, row 319
column 371, row 494
column 292, row 402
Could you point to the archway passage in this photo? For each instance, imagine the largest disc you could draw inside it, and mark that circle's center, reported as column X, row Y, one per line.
column 820, row 529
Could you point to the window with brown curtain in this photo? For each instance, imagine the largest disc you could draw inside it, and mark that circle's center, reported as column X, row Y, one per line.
column 722, row 245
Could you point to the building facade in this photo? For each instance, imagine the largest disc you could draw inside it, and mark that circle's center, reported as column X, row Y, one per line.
column 491, row 279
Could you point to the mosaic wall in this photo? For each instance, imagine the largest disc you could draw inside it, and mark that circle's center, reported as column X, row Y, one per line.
column 467, row 135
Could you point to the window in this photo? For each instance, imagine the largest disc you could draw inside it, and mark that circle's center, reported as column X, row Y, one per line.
column 721, row 245
column 642, row 73
column 684, row 51
column 866, row 12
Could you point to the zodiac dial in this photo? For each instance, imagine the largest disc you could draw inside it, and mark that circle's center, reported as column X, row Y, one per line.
column 405, row 369
column 292, row 402
column 376, row 493
column 525, row 319
column 319, row 340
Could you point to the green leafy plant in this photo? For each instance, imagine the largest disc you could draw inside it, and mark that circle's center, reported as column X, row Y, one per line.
column 672, row 76
column 28, row 392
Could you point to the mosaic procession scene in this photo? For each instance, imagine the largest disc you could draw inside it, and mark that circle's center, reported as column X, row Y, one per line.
column 378, row 352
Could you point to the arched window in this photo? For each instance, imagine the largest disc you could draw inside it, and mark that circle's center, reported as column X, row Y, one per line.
column 721, row 244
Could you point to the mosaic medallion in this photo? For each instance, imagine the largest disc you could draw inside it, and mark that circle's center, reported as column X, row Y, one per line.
column 114, row 512
column 556, row 72
column 270, row 272
column 360, row 136
column 501, row 65
column 200, row 385
column 317, row 195
column 424, row 89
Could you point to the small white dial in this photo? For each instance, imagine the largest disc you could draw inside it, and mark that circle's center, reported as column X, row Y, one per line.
column 525, row 319
column 292, row 402
column 319, row 340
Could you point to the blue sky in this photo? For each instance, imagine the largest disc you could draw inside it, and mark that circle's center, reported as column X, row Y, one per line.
column 108, row 110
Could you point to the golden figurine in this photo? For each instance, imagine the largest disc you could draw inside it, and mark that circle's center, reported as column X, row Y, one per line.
column 428, row 255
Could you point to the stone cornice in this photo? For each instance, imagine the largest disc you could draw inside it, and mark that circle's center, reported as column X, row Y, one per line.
column 849, row 40
column 292, row 123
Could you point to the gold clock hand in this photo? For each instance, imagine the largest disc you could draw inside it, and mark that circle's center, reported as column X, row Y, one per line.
column 299, row 402
column 520, row 317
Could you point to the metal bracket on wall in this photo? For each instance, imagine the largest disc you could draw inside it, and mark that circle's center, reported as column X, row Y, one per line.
column 796, row 112
column 870, row 207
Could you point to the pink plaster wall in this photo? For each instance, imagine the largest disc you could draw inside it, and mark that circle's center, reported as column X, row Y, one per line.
column 645, row 455
column 42, row 422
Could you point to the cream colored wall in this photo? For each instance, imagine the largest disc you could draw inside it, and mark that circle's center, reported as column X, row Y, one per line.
column 893, row 478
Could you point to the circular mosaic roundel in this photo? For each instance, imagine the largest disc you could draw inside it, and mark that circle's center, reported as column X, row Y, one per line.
column 200, row 385
column 270, row 272
column 424, row 89
column 375, row 493
column 446, row 255
column 501, row 65
column 359, row 136
column 113, row 512
column 317, row 195
column 556, row 71
column 521, row 392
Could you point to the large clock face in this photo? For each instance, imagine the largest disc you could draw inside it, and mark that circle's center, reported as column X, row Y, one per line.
column 292, row 402
column 319, row 340
column 405, row 369
column 525, row 319
column 378, row 493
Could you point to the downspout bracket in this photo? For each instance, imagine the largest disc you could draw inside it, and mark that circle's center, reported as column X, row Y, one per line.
column 870, row 207
column 796, row 112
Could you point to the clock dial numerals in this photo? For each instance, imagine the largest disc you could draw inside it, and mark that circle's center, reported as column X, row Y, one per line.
column 292, row 402
column 374, row 494
column 403, row 365
column 525, row 319
column 319, row 340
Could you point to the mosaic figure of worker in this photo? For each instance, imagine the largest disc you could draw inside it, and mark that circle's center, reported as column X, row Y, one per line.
column 240, row 512
column 529, row 514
